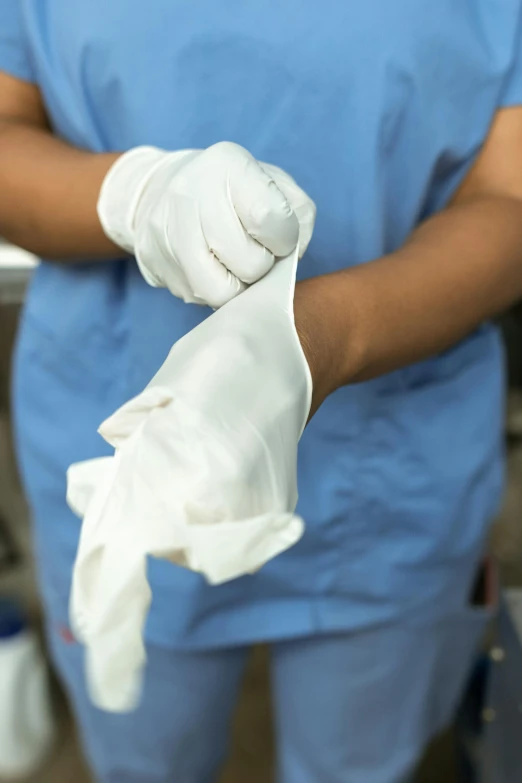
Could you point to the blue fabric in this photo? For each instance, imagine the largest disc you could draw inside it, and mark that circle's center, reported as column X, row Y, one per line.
column 512, row 94
column 15, row 56
column 349, row 708
column 377, row 109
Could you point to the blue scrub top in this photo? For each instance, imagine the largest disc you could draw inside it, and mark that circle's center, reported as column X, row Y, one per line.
column 377, row 109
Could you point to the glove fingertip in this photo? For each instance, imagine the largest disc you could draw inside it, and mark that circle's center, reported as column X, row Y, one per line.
column 125, row 421
column 275, row 230
column 113, row 688
column 82, row 479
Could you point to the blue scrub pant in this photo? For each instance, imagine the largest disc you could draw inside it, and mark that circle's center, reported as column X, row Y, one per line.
column 349, row 708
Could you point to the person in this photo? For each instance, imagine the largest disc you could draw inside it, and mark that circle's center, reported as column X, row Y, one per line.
column 402, row 122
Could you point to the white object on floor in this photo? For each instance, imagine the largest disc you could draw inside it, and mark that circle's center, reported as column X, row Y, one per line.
column 27, row 726
column 16, row 266
column 16, row 258
column 204, row 475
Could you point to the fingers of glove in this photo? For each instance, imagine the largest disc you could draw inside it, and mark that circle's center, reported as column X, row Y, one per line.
column 140, row 523
column 210, row 281
column 93, row 536
column 228, row 240
column 259, row 204
column 156, row 260
column 85, row 574
column 115, row 650
column 302, row 205
column 228, row 550
column 83, row 479
column 126, row 420
column 114, row 674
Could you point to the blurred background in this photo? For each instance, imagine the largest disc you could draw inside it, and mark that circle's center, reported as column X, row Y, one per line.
column 37, row 735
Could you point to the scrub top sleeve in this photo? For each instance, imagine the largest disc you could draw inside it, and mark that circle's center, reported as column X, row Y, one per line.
column 15, row 56
column 512, row 92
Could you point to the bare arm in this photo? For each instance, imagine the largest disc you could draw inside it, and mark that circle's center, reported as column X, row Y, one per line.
column 459, row 268
column 48, row 189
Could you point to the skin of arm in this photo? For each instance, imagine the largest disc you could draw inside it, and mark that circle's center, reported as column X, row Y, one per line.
column 460, row 267
column 48, row 189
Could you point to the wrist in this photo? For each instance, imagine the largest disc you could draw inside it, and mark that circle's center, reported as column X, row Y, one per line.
column 331, row 331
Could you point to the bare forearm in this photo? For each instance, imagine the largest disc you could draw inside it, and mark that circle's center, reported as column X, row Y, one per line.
column 458, row 269
column 48, row 194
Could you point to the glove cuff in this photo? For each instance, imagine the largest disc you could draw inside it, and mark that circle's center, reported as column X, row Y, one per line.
column 121, row 191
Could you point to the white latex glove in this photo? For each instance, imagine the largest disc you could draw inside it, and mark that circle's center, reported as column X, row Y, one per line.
column 203, row 223
column 204, row 475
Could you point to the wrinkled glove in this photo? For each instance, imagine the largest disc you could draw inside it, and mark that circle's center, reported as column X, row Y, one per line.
column 204, row 475
column 204, row 224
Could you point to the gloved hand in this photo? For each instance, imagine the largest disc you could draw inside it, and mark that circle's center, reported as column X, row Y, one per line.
column 204, row 475
column 204, row 224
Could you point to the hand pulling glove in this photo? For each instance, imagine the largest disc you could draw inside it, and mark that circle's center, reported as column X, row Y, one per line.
column 203, row 223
